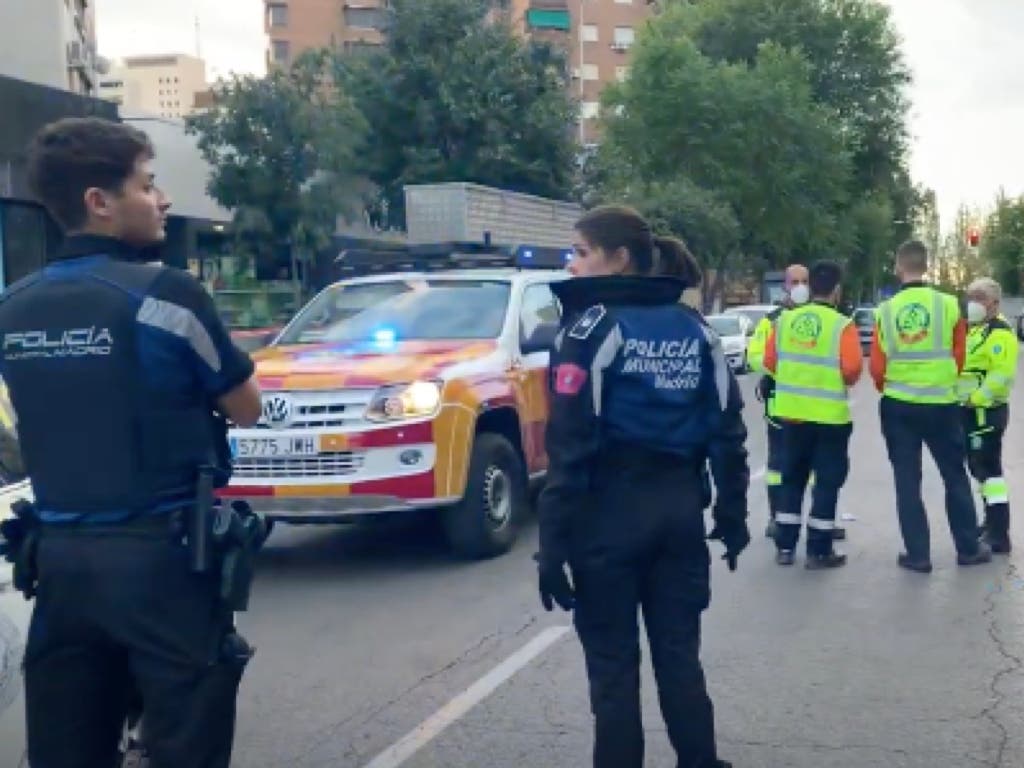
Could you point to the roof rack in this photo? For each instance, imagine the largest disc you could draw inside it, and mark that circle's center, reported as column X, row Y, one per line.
column 435, row 257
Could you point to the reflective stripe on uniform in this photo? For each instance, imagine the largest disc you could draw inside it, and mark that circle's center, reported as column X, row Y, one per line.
column 772, row 478
column 995, row 491
column 914, row 391
column 820, row 394
column 821, row 525
column 785, row 518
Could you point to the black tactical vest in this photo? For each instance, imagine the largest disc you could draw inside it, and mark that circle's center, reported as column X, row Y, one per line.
column 95, row 437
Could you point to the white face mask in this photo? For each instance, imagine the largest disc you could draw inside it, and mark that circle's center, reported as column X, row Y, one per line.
column 800, row 294
column 976, row 312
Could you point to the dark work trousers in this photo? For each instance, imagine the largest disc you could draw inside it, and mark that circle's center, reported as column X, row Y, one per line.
column 119, row 615
column 906, row 426
column 773, row 465
column 642, row 547
column 824, row 450
column 984, row 428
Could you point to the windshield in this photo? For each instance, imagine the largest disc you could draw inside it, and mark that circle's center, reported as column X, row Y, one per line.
column 726, row 325
column 754, row 315
column 403, row 310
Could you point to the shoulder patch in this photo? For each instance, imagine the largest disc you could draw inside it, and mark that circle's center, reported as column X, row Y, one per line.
column 587, row 322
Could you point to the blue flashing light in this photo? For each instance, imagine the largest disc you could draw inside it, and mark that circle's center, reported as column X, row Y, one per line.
column 384, row 338
column 568, row 256
column 527, row 254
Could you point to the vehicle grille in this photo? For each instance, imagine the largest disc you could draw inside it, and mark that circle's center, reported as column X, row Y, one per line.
column 341, row 408
column 323, row 465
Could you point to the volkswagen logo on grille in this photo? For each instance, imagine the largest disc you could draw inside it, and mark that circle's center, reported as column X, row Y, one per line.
column 277, row 410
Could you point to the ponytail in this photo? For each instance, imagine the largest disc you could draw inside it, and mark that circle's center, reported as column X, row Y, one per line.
column 673, row 259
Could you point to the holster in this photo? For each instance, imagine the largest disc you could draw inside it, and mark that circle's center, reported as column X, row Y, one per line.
column 239, row 533
column 20, row 545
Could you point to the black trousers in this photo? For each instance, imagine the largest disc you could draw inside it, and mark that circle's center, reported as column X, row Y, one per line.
column 824, row 450
column 984, row 429
column 642, row 547
column 118, row 615
column 906, row 426
column 773, row 466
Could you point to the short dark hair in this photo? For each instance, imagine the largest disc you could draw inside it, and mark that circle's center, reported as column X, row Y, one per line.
column 825, row 276
column 73, row 155
column 618, row 226
column 913, row 255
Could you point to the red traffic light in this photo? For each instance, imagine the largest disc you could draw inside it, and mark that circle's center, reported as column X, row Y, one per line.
column 973, row 237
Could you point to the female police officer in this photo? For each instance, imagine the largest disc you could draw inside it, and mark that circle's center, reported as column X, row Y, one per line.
column 642, row 397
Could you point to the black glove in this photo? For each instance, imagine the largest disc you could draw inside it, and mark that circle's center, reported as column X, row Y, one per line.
column 734, row 534
column 554, row 584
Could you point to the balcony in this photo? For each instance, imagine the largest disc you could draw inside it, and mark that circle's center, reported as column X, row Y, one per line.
column 548, row 14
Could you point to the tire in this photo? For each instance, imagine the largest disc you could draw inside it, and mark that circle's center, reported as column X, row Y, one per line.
column 484, row 524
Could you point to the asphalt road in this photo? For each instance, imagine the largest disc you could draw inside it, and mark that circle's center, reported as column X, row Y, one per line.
column 367, row 635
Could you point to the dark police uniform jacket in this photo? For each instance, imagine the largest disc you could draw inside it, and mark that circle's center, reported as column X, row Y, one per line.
column 633, row 369
column 113, row 367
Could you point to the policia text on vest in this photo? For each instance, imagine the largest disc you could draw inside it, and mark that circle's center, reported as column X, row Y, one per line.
column 115, row 495
column 916, row 356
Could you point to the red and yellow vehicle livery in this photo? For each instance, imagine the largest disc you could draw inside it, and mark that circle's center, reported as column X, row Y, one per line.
column 406, row 391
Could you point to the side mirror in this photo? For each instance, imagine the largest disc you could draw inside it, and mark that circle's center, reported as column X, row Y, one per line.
column 541, row 340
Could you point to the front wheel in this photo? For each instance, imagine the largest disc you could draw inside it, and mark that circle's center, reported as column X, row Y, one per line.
column 484, row 523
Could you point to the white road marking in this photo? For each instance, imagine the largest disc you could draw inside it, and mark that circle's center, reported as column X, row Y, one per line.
column 429, row 729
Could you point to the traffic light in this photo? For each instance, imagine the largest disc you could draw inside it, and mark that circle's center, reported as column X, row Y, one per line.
column 973, row 237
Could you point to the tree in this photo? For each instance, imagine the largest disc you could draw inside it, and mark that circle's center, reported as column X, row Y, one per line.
column 963, row 263
column 457, row 96
column 1002, row 243
column 284, row 151
column 744, row 147
column 856, row 72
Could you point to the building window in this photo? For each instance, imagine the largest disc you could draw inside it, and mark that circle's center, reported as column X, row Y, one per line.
column 622, row 74
column 590, row 33
column 544, row 18
column 278, row 15
column 280, row 51
column 590, row 72
column 624, row 37
column 589, row 109
column 365, row 18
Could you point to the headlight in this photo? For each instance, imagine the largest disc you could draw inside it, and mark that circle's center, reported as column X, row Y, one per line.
column 405, row 401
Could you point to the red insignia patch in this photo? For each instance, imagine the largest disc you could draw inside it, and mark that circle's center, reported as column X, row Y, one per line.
column 569, row 379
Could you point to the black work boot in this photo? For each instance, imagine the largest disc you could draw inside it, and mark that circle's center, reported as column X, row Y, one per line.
column 785, row 557
column 821, row 562
column 983, row 554
column 997, row 529
column 838, row 534
column 919, row 565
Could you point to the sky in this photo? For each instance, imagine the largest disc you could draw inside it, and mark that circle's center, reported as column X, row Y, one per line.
column 967, row 57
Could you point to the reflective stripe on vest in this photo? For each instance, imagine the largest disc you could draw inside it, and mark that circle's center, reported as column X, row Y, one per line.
column 809, row 385
column 920, row 364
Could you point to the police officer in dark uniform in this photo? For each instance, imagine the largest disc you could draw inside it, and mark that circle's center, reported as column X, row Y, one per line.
column 642, row 399
column 114, row 366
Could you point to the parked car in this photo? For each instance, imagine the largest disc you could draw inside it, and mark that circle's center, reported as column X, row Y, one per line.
column 864, row 319
column 732, row 329
column 407, row 391
column 754, row 313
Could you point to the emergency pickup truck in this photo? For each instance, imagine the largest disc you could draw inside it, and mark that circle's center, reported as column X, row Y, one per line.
column 422, row 386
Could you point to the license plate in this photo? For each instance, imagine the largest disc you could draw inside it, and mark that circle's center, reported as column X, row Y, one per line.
column 270, row 447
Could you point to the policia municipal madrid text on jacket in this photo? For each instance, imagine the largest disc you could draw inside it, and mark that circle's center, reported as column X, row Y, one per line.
column 113, row 367
column 814, row 354
column 984, row 392
column 917, row 354
column 642, row 398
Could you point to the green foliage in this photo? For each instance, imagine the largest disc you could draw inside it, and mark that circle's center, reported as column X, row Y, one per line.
column 284, row 151
column 455, row 97
column 1002, row 243
column 789, row 113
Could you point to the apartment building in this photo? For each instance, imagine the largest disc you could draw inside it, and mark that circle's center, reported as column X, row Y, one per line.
column 166, row 86
column 295, row 26
column 596, row 35
column 51, row 43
